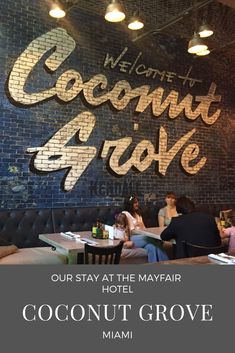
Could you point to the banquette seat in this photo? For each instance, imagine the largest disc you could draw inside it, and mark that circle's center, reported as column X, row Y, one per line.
column 22, row 226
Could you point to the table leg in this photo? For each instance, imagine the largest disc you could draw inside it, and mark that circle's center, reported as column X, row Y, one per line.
column 80, row 258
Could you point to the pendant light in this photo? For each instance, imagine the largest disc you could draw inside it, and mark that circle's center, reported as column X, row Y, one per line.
column 57, row 10
column 115, row 12
column 205, row 31
column 135, row 23
column 196, row 44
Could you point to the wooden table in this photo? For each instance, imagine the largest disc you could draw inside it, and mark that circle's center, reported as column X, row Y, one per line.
column 73, row 249
column 153, row 232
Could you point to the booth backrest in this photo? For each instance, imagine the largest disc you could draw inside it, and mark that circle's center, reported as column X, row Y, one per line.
column 79, row 219
column 22, row 226
column 75, row 219
column 214, row 209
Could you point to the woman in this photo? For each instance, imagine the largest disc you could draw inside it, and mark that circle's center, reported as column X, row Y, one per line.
column 193, row 227
column 135, row 222
column 166, row 213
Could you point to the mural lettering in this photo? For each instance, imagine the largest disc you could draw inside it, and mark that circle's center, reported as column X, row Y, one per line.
column 149, row 72
column 56, row 154
column 163, row 157
column 58, row 37
column 114, row 188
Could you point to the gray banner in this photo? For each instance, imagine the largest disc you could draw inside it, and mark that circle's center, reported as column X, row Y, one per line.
column 103, row 308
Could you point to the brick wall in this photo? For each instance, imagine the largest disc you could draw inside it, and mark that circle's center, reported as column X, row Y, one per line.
column 57, row 134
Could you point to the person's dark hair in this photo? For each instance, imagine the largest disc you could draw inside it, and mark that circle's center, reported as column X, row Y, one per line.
column 128, row 205
column 185, row 205
column 171, row 194
column 121, row 219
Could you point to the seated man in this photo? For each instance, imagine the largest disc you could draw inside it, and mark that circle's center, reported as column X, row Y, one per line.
column 193, row 227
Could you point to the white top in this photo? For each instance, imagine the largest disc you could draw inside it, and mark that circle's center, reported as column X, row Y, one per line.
column 163, row 212
column 134, row 223
column 119, row 233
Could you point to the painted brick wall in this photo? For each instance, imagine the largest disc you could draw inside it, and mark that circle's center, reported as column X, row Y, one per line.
column 28, row 180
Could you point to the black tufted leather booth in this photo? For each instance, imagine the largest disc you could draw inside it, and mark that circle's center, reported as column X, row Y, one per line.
column 79, row 219
column 22, row 227
column 214, row 209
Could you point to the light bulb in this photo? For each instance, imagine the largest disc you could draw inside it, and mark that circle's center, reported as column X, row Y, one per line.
column 203, row 52
column 56, row 11
column 135, row 24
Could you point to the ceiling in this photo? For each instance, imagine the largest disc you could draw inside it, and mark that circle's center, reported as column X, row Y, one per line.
column 163, row 20
column 156, row 13
column 228, row 2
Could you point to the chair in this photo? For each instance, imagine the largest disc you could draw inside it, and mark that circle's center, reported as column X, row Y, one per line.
column 192, row 250
column 103, row 255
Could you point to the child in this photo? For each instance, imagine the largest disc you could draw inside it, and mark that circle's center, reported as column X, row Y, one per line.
column 230, row 232
column 121, row 231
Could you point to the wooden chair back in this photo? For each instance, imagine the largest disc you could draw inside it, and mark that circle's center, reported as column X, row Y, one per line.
column 192, row 250
column 103, row 255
